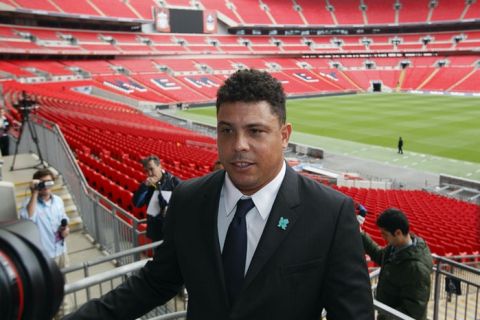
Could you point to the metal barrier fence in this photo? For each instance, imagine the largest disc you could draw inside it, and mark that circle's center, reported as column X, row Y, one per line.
column 95, row 284
column 106, row 222
column 456, row 292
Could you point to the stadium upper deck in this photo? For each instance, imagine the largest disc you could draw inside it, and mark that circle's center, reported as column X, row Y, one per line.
column 271, row 12
column 49, row 41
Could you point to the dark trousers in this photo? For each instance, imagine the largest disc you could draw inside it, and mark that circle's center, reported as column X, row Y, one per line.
column 4, row 145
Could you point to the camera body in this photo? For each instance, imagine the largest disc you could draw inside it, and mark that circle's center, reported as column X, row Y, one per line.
column 44, row 185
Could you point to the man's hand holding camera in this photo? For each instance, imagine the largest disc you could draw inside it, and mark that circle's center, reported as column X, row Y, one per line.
column 152, row 181
column 33, row 186
column 38, row 185
column 39, row 188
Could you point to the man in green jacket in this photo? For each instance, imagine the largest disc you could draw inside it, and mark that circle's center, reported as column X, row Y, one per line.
column 406, row 265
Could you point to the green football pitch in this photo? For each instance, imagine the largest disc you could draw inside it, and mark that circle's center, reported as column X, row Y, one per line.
column 369, row 125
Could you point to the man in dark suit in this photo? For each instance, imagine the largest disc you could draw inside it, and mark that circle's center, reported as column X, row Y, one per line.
column 158, row 181
column 297, row 245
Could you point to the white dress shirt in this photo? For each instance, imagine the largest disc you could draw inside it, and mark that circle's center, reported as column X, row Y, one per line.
column 256, row 218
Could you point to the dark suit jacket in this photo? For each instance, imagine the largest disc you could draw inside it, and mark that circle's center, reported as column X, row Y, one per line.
column 317, row 262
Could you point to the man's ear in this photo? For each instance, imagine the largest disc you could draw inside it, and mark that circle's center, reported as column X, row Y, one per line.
column 286, row 131
column 398, row 233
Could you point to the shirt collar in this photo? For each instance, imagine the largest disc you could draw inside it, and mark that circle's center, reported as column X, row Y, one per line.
column 46, row 203
column 263, row 198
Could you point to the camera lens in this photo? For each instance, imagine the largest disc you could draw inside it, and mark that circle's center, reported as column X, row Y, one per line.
column 31, row 285
column 45, row 184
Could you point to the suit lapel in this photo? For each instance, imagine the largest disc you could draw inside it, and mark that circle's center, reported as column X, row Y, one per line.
column 210, row 209
column 283, row 208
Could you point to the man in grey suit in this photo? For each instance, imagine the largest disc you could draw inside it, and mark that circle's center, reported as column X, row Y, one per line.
column 296, row 245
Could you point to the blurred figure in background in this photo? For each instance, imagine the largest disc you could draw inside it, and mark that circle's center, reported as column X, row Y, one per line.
column 4, row 140
column 406, row 262
column 154, row 193
column 47, row 211
column 400, row 145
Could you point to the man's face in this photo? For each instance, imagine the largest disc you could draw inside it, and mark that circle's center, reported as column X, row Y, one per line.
column 391, row 239
column 250, row 142
column 45, row 192
column 153, row 170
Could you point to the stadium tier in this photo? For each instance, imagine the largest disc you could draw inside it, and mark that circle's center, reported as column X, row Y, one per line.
column 65, row 41
column 167, row 81
column 286, row 12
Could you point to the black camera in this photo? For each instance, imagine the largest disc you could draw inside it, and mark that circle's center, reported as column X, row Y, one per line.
column 25, row 103
column 31, row 284
column 44, row 184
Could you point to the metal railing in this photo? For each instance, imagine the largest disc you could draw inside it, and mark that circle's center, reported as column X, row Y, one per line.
column 93, row 283
column 381, row 307
column 105, row 221
column 456, row 292
column 112, row 259
column 172, row 316
column 94, row 286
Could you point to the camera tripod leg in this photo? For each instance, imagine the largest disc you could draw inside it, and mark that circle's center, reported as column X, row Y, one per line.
column 17, row 143
column 34, row 136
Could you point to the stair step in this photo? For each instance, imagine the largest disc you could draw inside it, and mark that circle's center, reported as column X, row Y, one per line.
column 75, row 224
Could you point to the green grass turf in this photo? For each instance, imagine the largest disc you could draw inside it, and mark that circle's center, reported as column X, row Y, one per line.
column 445, row 126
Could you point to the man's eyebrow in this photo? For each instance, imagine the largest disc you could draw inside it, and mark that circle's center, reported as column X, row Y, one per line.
column 248, row 125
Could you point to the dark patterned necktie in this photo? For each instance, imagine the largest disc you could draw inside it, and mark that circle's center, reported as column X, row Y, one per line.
column 235, row 249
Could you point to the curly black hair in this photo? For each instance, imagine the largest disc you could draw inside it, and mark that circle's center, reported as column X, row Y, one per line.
column 252, row 85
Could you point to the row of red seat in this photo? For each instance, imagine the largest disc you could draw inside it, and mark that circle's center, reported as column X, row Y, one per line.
column 423, row 75
column 448, row 225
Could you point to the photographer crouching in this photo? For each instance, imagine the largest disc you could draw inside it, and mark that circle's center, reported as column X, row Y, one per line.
column 47, row 211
